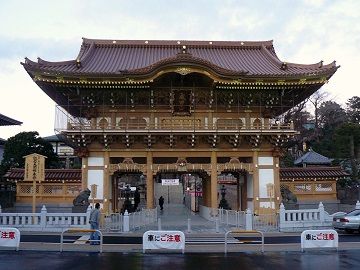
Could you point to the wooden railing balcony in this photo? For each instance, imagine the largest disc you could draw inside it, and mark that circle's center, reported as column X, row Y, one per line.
column 162, row 122
column 74, row 126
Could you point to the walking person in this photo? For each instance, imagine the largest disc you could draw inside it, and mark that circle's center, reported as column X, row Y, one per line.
column 161, row 203
column 94, row 224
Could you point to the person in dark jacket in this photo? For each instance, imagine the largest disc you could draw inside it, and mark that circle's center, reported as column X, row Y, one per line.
column 161, row 203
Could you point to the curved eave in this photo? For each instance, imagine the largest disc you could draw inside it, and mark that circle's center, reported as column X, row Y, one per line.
column 180, row 66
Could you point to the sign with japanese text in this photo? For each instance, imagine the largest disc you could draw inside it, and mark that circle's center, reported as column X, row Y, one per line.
column 34, row 168
column 319, row 239
column 164, row 240
column 9, row 237
column 169, row 182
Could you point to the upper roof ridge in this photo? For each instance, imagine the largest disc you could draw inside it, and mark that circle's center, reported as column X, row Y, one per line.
column 210, row 43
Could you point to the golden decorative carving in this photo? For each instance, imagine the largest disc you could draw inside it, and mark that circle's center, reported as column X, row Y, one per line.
column 183, row 70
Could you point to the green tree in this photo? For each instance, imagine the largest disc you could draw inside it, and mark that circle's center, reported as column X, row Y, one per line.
column 353, row 109
column 347, row 145
column 23, row 144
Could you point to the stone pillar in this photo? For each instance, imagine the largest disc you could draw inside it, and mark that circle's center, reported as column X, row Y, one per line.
column 43, row 217
column 248, row 220
column 149, row 182
column 106, row 182
column 256, row 182
column 214, row 175
column 84, row 173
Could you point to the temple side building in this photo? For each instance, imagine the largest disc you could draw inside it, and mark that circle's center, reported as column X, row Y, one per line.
column 144, row 112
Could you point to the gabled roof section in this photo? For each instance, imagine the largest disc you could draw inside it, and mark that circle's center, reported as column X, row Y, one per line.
column 311, row 173
column 7, row 121
column 51, row 175
column 313, row 158
column 52, row 138
column 134, row 57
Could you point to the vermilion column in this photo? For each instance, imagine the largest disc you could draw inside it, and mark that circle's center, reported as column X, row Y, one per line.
column 84, row 173
column 213, row 180
column 106, row 181
column 256, row 182
column 149, row 182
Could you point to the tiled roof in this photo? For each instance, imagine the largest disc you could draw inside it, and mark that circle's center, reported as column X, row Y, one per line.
column 139, row 57
column 313, row 158
column 51, row 175
column 7, row 121
column 310, row 173
column 52, row 138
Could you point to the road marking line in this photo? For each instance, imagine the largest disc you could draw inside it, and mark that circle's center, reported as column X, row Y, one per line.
column 82, row 239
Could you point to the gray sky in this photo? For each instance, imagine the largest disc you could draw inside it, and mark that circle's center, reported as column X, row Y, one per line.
column 304, row 31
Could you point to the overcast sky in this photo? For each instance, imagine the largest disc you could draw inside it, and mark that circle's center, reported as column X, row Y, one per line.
column 304, row 31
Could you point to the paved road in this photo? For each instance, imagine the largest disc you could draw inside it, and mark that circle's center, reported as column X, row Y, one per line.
column 29, row 260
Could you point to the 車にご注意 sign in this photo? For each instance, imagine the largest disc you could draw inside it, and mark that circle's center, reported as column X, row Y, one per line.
column 164, row 240
column 319, row 239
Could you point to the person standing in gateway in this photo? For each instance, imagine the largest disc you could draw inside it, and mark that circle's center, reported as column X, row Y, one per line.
column 94, row 223
column 161, row 203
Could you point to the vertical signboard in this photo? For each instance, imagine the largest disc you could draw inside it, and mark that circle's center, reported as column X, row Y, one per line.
column 34, row 168
column 35, row 172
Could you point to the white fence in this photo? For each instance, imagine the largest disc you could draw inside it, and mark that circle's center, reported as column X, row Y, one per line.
column 232, row 217
column 246, row 220
column 128, row 222
column 266, row 222
column 45, row 221
column 55, row 222
column 299, row 220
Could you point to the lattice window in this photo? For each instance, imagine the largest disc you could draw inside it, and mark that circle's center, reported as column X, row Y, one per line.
column 323, row 187
column 302, row 187
column 73, row 190
column 54, row 190
column 25, row 189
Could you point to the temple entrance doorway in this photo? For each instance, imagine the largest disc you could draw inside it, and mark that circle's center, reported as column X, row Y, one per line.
column 170, row 187
column 235, row 187
column 180, row 188
column 128, row 185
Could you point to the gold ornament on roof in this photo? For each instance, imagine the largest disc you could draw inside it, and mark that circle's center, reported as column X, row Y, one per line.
column 183, row 70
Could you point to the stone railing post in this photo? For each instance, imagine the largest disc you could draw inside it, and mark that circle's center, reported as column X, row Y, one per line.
column 248, row 220
column 43, row 217
column 322, row 212
column 126, row 225
column 282, row 214
column 357, row 206
column 87, row 219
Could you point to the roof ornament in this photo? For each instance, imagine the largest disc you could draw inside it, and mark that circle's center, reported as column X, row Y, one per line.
column 184, row 49
column 78, row 63
column 321, row 64
column 284, row 66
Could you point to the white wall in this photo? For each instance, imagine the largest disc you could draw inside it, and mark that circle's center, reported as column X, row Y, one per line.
column 95, row 161
column 266, row 161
